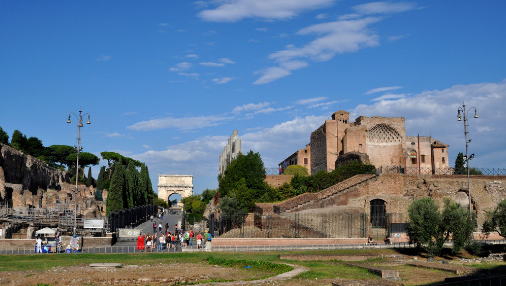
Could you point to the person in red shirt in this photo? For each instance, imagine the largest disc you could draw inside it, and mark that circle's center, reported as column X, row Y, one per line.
column 199, row 241
column 191, row 237
column 140, row 242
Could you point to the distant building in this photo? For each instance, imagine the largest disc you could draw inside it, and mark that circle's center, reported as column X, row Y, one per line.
column 301, row 158
column 230, row 151
column 382, row 141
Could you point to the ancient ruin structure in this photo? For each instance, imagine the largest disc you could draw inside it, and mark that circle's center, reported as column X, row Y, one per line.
column 35, row 193
column 382, row 139
column 230, row 151
column 174, row 184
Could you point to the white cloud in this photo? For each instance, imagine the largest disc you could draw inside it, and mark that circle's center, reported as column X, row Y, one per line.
column 381, row 89
column 262, row 29
column 269, row 110
column 310, row 100
column 181, row 66
column 235, row 10
column 193, row 56
column 195, row 75
column 349, row 16
column 226, row 61
column 115, row 134
column 384, row 7
column 324, row 105
column 184, row 123
column 322, row 16
column 104, row 58
column 222, row 80
column 250, row 106
column 163, row 24
column 210, row 64
column 389, row 96
column 146, row 146
column 335, row 38
column 395, row 38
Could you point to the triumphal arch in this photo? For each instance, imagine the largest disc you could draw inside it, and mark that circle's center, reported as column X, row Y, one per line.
column 174, row 184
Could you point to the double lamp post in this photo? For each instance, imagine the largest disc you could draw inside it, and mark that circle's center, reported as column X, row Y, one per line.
column 78, row 149
column 462, row 112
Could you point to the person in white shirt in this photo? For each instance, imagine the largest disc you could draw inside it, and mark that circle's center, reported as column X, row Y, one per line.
column 39, row 245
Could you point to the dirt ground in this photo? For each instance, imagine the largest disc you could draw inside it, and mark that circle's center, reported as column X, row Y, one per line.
column 157, row 274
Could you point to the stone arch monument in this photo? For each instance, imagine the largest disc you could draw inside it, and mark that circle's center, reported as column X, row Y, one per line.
column 174, row 184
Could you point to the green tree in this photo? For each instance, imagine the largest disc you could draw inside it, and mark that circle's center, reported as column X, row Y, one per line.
column 251, row 168
column 85, row 159
column 57, row 154
column 89, row 179
column 112, row 158
column 34, row 147
column 296, row 170
column 459, row 165
column 207, row 195
column 18, row 140
column 496, row 220
column 115, row 196
column 100, row 178
column 131, row 184
column 144, row 185
column 232, row 209
column 4, row 138
column 429, row 229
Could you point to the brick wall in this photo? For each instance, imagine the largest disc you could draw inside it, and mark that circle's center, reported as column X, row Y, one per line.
column 277, row 180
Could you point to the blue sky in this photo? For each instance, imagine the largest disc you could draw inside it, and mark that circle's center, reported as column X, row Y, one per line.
column 166, row 82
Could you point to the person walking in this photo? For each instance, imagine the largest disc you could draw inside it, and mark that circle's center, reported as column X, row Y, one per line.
column 149, row 242
column 140, row 242
column 160, row 226
column 161, row 242
column 191, row 237
column 154, row 226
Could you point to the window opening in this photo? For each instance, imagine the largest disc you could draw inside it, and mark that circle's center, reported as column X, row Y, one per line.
column 423, row 158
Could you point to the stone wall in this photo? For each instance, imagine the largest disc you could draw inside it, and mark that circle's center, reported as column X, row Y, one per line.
column 276, row 181
column 30, row 172
column 398, row 192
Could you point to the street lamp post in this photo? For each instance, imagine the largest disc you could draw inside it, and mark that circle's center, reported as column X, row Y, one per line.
column 78, row 149
column 462, row 112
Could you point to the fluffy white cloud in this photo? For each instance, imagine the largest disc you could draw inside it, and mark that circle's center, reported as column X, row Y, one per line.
column 211, row 64
column 322, row 16
column 194, row 74
column 193, row 56
column 226, row 61
column 384, row 7
column 181, row 66
column 184, row 123
column 389, row 96
column 235, row 10
column 115, row 134
column 222, row 80
column 335, row 37
column 250, row 106
column 381, row 89
column 310, row 100
column 269, row 110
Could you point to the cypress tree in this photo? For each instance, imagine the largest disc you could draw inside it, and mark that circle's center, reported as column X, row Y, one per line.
column 131, row 184
column 459, row 165
column 89, row 180
column 115, row 195
column 144, row 185
column 100, row 178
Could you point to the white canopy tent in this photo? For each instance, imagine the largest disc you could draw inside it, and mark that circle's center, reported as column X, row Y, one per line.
column 46, row 231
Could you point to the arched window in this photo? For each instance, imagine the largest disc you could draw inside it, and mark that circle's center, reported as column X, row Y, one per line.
column 383, row 134
column 378, row 218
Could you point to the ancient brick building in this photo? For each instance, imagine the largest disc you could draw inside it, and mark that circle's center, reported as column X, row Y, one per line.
column 382, row 139
column 301, row 157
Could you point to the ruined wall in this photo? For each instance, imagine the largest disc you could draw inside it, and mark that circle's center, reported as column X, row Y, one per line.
column 276, row 181
column 28, row 171
column 319, row 149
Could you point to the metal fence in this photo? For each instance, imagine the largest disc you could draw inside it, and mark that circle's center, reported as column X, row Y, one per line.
column 228, row 248
column 438, row 171
column 308, row 225
column 131, row 217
